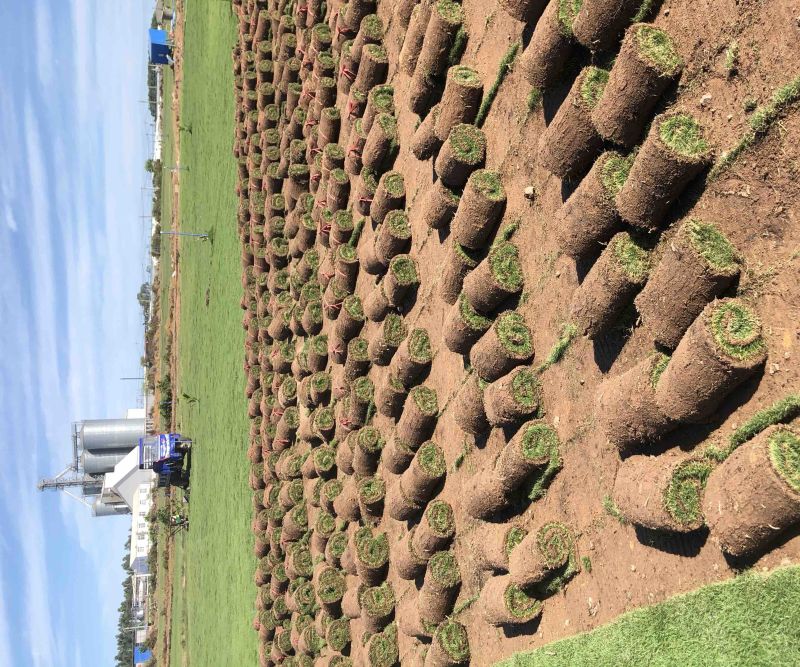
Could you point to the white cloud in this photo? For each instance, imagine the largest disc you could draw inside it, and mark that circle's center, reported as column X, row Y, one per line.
column 43, row 49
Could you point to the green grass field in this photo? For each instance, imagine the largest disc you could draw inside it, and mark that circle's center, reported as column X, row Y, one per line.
column 219, row 596
column 751, row 620
column 167, row 159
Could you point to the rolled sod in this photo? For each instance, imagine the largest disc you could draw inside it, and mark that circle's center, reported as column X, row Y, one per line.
column 611, row 284
column 647, row 64
column 469, row 410
column 458, row 262
column 420, row 414
column 571, row 143
column 627, row 408
column 599, row 24
column 722, row 348
column 412, row 43
column 588, row 219
column 435, row 530
column 402, row 278
column 439, row 587
column 513, row 398
column 675, row 151
column 523, row 10
column 463, row 152
column 389, row 195
column 544, row 551
column 385, row 342
column 551, row 45
column 502, row 602
column 390, row 396
column 425, row 473
column 507, row 343
column 439, row 206
column 377, row 607
column 495, row 279
column 698, row 265
column 494, row 542
column 424, row 142
column 753, row 497
column 662, row 492
column 462, row 96
column 408, row 563
column 412, row 358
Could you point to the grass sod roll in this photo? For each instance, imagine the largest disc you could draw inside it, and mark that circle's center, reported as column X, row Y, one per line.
column 544, row 552
column 335, row 548
column 611, row 285
column 463, row 152
column 599, row 25
column 649, row 58
column 495, row 542
column 460, row 101
column 459, row 260
column 385, row 343
column 401, row 279
column 469, row 411
column 571, row 143
column 369, row 444
column 464, row 326
column 377, row 607
column 439, row 588
column 551, row 45
column 413, row 357
column 495, row 279
column 371, row 494
column 420, row 414
column 698, row 265
column 421, row 479
column 506, row 344
column 450, row 645
column 722, row 348
column 390, row 195
column 502, row 602
column 393, row 237
column 382, row 649
column 753, row 497
column 435, row 530
column 513, row 397
column 676, row 480
column 337, row 634
column 439, row 206
column 674, row 153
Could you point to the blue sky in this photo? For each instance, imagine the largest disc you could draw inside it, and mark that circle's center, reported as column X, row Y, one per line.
column 73, row 140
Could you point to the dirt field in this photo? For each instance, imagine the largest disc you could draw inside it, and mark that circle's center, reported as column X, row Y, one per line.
column 620, row 566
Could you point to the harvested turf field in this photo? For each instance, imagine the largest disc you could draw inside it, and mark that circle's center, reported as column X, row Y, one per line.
column 515, row 363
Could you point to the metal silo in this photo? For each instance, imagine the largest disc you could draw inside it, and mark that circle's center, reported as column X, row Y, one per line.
column 100, row 508
column 101, row 462
column 99, row 435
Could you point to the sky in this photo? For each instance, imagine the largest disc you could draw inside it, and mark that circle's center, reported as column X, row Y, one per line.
column 73, row 143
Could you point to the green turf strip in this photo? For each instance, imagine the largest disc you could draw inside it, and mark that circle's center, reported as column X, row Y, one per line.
column 750, row 620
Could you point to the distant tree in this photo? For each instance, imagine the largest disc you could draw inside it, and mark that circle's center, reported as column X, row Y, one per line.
column 124, row 657
column 149, row 165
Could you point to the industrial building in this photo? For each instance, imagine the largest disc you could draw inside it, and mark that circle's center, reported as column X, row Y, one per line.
column 103, row 472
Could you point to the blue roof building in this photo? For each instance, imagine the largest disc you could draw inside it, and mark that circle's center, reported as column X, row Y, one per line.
column 160, row 49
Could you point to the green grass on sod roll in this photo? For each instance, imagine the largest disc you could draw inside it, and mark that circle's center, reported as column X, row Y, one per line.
column 712, row 245
column 633, row 259
column 658, row 48
column 431, row 459
column 514, row 334
column 737, row 330
column 683, row 134
column 505, row 266
column 684, row 493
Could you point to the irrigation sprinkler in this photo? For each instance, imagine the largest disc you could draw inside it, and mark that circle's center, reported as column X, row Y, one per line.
column 202, row 236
